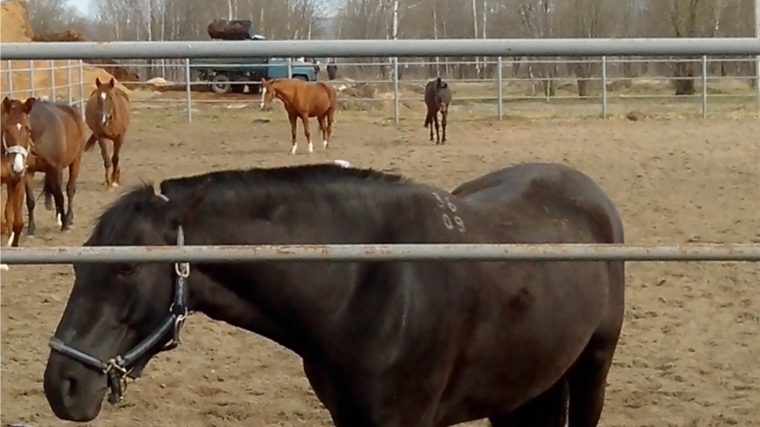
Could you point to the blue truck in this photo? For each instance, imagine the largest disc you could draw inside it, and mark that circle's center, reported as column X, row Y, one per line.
column 225, row 75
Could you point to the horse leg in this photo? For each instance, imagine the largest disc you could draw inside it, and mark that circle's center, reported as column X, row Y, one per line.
column 444, row 117
column 71, row 191
column 546, row 410
column 323, row 130
column 30, row 203
column 437, row 129
column 588, row 375
column 116, row 172
column 429, row 124
column 293, row 127
column 8, row 213
column 330, row 117
column 106, row 161
column 17, row 198
column 53, row 182
column 307, row 131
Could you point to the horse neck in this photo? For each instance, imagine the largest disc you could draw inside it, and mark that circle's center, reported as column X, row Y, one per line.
column 291, row 303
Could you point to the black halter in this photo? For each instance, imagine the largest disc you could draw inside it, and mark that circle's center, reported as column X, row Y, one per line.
column 121, row 366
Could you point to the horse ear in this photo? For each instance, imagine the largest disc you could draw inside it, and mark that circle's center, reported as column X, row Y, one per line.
column 182, row 208
column 97, row 82
column 438, row 82
column 6, row 104
column 29, row 103
column 111, row 83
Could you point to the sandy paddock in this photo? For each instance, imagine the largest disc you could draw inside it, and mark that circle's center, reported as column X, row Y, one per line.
column 688, row 355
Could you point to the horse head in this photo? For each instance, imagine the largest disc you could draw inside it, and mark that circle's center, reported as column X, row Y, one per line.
column 268, row 92
column 104, row 92
column 100, row 340
column 16, row 133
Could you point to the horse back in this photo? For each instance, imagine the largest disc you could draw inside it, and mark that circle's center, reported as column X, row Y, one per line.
column 548, row 192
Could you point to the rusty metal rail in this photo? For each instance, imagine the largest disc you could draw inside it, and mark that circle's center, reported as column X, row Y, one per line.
column 397, row 252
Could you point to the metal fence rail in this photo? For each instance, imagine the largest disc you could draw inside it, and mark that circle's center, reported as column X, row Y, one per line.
column 396, row 252
column 500, row 93
column 395, row 48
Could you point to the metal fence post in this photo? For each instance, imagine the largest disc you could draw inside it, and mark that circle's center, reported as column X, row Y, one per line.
column 188, row 94
column 500, row 83
column 704, row 86
column 290, row 67
column 604, row 87
column 51, row 63
column 757, row 80
column 396, row 114
column 31, row 78
column 8, row 67
column 69, row 84
column 81, row 87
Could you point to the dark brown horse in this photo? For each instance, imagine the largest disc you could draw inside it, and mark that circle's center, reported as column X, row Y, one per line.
column 437, row 98
column 303, row 100
column 108, row 116
column 16, row 127
column 384, row 344
column 58, row 133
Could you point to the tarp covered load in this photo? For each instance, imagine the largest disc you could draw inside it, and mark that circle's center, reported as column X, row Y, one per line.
column 236, row 29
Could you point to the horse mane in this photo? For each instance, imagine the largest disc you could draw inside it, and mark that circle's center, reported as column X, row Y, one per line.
column 124, row 211
column 311, row 174
column 134, row 205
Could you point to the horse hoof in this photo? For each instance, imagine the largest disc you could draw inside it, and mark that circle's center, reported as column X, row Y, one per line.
column 114, row 184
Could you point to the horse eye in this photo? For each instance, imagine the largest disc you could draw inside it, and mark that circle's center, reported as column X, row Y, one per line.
column 126, row 269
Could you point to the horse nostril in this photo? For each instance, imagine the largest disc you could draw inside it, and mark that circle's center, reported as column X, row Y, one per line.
column 69, row 387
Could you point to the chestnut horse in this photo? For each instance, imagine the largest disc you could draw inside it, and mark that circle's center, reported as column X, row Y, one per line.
column 17, row 146
column 39, row 136
column 304, row 100
column 437, row 98
column 108, row 115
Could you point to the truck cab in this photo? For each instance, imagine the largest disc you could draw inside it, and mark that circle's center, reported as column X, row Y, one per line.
column 225, row 75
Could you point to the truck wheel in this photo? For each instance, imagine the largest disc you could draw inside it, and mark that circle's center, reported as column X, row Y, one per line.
column 301, row 77
column 221, row 84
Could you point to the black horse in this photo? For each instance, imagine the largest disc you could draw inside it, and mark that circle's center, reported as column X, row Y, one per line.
column 437, row 99
column 384, row 344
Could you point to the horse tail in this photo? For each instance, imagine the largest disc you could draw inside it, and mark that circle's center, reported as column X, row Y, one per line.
column 90, row 143
column 428, row 120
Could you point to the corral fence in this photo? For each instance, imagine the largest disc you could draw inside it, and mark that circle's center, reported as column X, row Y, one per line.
column 395, row 49
column 602, row 87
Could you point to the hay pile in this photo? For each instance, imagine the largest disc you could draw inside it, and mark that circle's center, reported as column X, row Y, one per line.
column 17, row 28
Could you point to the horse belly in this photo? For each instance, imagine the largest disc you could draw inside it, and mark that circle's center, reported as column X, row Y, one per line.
column 524, row 347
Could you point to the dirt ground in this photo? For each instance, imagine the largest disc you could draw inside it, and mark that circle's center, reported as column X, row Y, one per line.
column 688, row 356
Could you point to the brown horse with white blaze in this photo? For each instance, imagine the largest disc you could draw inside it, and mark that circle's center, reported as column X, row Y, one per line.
column 55, row 134
column 303, row 100
column 16, row 128
column 108, row 116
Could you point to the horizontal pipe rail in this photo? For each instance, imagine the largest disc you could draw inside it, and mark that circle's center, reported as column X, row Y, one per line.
column 377, row 48
column 396, row 252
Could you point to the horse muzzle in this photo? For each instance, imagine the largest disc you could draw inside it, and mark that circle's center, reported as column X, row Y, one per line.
column 18, row 156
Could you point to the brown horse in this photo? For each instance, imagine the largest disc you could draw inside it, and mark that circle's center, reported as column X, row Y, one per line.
column 437, row 98
column 58, row 134
column 17, row 147
column 108, row 115
column 303, row 100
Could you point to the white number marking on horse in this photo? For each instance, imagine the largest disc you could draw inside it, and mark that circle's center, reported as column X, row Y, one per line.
column 447, row 220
